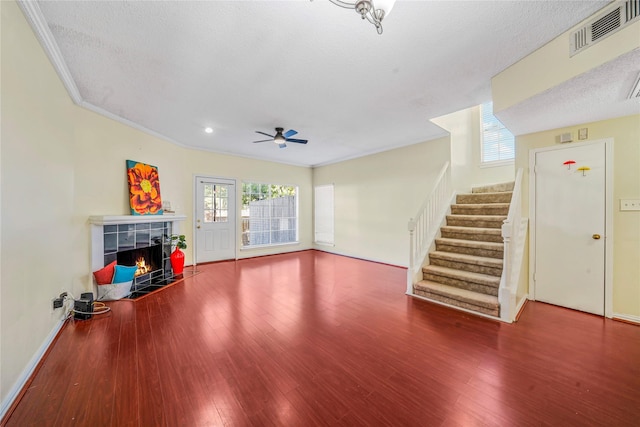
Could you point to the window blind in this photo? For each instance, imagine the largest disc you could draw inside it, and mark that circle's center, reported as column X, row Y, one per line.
column 498, row 144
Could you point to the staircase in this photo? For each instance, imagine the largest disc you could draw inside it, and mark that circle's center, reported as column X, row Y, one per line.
column 466, row 266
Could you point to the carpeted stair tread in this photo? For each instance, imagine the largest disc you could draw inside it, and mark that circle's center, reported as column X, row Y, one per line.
column 472, row 233
column 466, row 262
column 471, row 244
column 482, row 221
column 474, row 198
column 467, row 259
column 486, row 304
column 494, row 188
column 480, row 209
column 452, row 273
column 470, row 247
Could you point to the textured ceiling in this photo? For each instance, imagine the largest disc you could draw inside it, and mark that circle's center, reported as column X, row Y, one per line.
column 176, row 67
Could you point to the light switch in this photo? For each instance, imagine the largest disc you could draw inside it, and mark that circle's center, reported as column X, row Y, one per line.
column 630, row 204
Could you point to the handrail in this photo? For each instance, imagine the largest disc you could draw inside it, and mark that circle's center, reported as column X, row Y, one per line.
column 511, row 236
column 424, row 226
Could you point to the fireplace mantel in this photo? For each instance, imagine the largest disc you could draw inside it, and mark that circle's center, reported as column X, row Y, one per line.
column 133, row 219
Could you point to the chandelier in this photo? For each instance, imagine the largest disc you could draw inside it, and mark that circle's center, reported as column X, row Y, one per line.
column 372, row 11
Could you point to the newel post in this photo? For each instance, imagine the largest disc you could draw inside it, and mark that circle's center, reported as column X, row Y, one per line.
column 506, row 236
column 411, row 227
column 504, row 293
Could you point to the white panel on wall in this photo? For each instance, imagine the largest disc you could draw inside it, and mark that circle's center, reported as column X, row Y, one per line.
column 323, row 214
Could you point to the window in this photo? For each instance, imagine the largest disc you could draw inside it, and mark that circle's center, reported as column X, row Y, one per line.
column 323, row 214
column 215, row 202
column 269, row 214
column 497, row 142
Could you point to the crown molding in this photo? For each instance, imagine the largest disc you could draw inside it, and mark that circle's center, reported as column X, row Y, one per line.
column 32, row 12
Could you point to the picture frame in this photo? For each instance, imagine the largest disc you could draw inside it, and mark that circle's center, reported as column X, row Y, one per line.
column 144, row 189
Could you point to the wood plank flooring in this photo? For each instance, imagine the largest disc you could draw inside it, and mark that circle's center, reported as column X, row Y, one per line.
column 311, row 338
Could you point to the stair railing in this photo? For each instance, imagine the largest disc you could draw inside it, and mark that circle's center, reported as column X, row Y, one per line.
column 426, row 224
column 512, row 241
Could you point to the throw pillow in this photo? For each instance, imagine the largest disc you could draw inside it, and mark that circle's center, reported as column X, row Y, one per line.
column 114, row 291
column 104, row 276
column 124, row 273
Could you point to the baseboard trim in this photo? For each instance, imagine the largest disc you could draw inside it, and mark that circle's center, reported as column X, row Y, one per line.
column 626, row 318
column 377, row 261
column 24, row 380
column 520, row 307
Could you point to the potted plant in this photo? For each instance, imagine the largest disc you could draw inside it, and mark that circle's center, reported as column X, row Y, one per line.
column 177, row 256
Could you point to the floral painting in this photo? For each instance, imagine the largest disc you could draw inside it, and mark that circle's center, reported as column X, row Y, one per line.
column 144, row 189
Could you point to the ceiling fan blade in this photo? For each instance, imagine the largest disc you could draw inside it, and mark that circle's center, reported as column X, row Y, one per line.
column 263, row 140
column 265, row 134
column 289, row 133
column 297, row 141
column 282, row 145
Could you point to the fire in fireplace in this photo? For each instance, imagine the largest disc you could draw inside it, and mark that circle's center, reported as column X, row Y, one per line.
column 146, row 259
column 143, row 267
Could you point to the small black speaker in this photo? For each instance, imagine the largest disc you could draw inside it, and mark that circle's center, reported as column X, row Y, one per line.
column 84, row 306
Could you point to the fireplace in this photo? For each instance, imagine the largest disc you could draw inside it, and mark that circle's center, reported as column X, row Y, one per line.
column 147, row 259
column 136, row 240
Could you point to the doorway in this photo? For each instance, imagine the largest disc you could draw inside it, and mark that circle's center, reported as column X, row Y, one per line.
column 215, row 219
column 571, row 226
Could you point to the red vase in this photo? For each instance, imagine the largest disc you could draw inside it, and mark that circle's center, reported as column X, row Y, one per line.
column 177, row 261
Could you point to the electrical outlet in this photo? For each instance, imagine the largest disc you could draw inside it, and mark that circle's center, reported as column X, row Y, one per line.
column 57, row 303
column 630, row 204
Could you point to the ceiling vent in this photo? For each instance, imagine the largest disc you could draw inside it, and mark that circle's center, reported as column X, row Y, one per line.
column 614, row 17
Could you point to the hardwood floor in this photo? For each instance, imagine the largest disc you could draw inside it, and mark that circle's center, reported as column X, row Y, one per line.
column 311, row 338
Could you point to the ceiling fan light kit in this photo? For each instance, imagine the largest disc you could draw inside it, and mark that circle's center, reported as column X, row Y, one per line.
column 374, row 12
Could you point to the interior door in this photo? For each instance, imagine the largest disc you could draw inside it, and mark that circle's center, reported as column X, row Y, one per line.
column 215, row 219
column 570, row 207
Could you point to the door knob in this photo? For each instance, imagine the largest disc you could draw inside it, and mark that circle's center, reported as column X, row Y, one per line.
column 596, row 237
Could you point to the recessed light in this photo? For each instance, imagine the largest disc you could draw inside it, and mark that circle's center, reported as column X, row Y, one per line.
column 208, row 130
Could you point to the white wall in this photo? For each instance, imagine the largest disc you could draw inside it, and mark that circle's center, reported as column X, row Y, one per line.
column 375, row 196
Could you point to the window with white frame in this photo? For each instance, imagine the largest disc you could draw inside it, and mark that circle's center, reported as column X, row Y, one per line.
column 323, row 214
column 498, row 144
column 269, row 214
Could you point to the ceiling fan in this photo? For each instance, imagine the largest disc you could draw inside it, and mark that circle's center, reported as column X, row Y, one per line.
column 281, row 138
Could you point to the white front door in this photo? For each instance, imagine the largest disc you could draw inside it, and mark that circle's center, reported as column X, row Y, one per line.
column 570, row 207
column 215, row 219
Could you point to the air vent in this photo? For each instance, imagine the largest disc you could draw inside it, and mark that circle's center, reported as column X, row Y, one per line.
column 614, row 17
column 606, row 24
